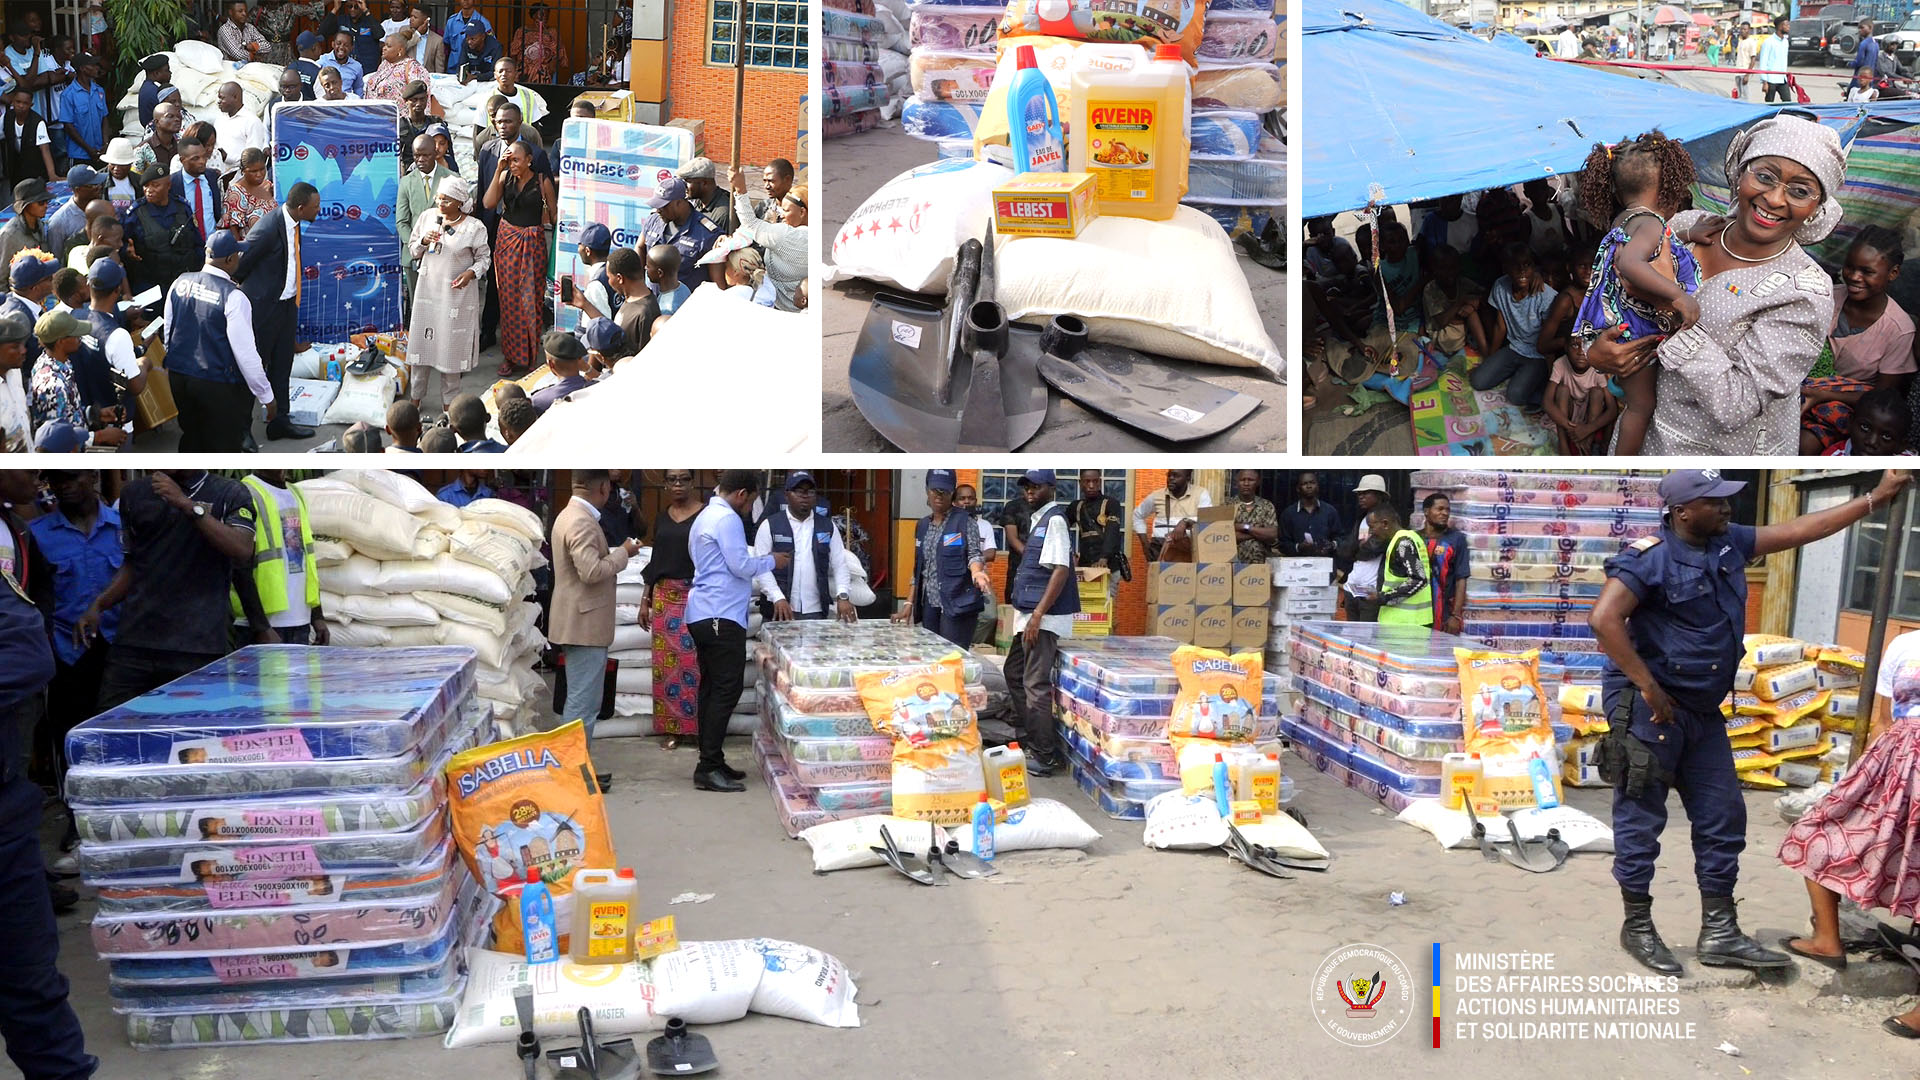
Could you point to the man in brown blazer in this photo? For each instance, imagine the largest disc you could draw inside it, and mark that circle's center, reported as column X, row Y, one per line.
column 420, row 24
column 581, row 619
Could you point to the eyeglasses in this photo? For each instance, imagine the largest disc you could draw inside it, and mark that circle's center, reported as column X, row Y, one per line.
column 679, row 479
column 1799, row 193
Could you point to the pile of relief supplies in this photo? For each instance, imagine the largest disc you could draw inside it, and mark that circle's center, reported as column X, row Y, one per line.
column 398, row 567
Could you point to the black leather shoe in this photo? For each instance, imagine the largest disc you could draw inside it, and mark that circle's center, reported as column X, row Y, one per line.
column 605, row 780
column 1723, row 945
column 249, row 444
column 732, row 773
column 287, row 429
column 715, row 780
column 1642, row 941
column 1044, row 764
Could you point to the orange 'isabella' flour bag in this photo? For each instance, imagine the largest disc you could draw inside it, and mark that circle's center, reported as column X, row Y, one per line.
column 529, row 803
column 937, row 773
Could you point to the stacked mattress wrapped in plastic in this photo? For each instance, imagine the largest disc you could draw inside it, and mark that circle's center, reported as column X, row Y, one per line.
column 818, row 750
column 853, row 81
column 1381, row 705
column 1115, row 700
column 1238, row 168
column 950, row 69
column 399, row 567
column 1539, row 545
column 632, row 652
column 269, row 839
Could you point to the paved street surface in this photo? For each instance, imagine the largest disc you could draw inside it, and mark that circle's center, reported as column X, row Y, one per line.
column 854, row 167
column 1130, row 962
column 1824, row 85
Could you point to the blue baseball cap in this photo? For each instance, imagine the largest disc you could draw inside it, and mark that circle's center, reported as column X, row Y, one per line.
column 596, row 237
column 603, row 335
column 307, row 40
column 106, row 274
column 1686, row 485
column 941, row 480
column 84, row 176
column 1037, row 477
column 223, row 245
column 798, row 477
column 670, row 189
column 60, row 438
column 28, row 271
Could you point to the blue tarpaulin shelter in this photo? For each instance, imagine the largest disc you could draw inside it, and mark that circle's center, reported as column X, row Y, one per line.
column 1417, row 109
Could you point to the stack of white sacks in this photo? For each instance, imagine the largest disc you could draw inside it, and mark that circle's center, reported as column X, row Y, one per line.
column 199, row 69
column 632, row 650
column 399, row 567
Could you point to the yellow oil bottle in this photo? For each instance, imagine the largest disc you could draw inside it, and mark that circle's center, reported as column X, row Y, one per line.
column 1129, row 128
column 605, row 903
column 1260, row 783
column 1006, row 768
column 1462, row 776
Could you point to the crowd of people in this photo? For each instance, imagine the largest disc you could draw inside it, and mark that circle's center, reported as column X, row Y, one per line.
column 189, row 206
column 1585, row 302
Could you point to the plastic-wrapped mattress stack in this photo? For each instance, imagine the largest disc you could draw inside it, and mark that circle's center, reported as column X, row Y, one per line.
column 818, row 750
column 951, row 68
column 853, row 82
column 1115, row 699
column 1237, row 172
column 632, row 653
column 268, row 836
column 1539, row 544
column 1382, row 705
column 399, row 567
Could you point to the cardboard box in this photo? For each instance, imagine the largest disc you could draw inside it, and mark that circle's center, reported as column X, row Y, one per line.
column 1212, row 584
column 1044, row 204
column 1213, row 538
column 1170, row 583
column 1302, row 571
column 1305, row 592
column 697, row 127
column 1172, row 620
column 1306, row 608
column 1249, row 630
column 1252, row 584
column 1213, row 626
column 307, row 400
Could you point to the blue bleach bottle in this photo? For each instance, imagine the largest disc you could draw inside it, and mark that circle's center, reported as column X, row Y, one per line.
column 1222, row 788
column 537, row 926
column 983, row 829
column 1543, row 795
column 1033, row 119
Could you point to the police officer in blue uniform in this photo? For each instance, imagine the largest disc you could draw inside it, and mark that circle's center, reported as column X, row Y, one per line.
column 42, row 1033
column 676, row 221
column 1045, row 596
column 805, row 532
column 1671, row 619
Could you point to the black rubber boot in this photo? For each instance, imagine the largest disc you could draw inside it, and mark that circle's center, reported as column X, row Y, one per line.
column 1723, row 945
column 1641, row 940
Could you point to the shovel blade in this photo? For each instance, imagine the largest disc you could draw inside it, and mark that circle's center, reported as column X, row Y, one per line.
column 899, row 371
column 1131, row 388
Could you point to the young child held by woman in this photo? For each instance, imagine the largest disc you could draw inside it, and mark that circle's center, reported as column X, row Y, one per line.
column 1643, row 276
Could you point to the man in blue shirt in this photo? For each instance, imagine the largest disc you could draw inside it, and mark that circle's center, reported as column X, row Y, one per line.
column 1309, row 527
column 1773, row 58
column 83, row 111
column 43, row 1034
column 470, row 487
column 1670, row 620
column 1867, row 55
column 82, row 540
column 479, row 52
column 459, row 24
column 717, row 605
column 352, row 73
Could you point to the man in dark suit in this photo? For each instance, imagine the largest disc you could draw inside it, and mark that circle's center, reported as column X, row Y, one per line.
column 197, row 189
column 270, row 273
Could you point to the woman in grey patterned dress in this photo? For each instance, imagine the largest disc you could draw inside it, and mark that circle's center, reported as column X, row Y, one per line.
column 1731, row 383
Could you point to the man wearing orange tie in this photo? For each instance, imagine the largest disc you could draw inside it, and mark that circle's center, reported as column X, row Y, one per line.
column 270, row 275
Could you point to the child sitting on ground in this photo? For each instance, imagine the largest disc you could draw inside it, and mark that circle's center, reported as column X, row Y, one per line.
column 1644, row 277
column 1400, row 273
column 1521, row 299
column 1871, row 341
column 1878, row 427
column 1451, row 304
column 403, row 423
column 1579, row 400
